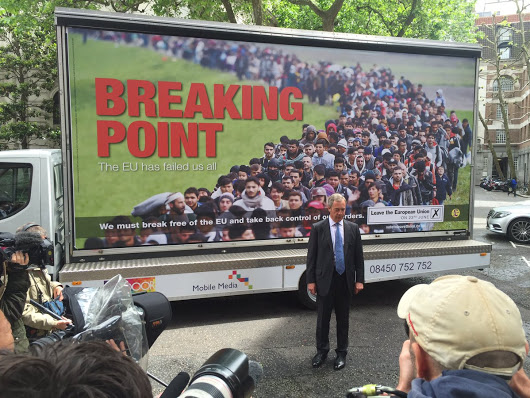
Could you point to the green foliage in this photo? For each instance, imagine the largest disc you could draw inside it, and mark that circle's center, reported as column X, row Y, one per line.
column 427, row 19
column 28, row 69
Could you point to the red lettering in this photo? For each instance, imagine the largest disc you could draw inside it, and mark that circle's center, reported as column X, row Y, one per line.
column 105, row 138
column 133, row 139
column 103, row 96
column 165, row 99
column 198, row 92
column 189, row 141
column 134, row 97
column 246, row 102
column 286, row 105
column 163, row 140
column 225, row 101
column 260, row 102
column 211, row 130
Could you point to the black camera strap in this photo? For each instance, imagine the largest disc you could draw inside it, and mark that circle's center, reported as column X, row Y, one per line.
column 39, row 292
column 3, row 281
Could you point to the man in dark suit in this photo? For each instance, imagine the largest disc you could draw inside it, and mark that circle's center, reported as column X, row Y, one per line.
column 335, row 271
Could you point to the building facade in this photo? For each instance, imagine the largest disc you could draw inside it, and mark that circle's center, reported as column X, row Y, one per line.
column 503, row 38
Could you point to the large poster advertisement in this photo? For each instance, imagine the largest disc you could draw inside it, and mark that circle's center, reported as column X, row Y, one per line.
column 180, row 140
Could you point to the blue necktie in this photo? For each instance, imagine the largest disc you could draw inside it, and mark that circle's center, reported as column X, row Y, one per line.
column 339, row 251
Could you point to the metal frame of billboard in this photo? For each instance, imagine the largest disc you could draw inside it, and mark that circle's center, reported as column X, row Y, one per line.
column 76, row 18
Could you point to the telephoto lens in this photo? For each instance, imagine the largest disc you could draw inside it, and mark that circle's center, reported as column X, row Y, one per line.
column 226, row 374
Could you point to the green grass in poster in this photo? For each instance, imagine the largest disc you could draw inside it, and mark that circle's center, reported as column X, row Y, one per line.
column 102, row 191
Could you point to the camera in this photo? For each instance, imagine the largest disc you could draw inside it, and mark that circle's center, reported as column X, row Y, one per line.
column 40, row 251
column 226, row 374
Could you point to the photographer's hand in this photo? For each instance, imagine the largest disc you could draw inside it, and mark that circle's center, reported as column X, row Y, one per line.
column 20, row 258
column 406, row 368
column 63, row 324
column 58, row 293
column 121, row 348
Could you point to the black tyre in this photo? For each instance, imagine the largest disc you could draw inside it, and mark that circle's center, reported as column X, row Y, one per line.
column 519, row 230
column 304, row 296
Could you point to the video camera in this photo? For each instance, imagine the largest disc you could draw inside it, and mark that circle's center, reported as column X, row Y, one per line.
column 40, row 251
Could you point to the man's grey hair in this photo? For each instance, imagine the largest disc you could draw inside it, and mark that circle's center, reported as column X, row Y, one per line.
column 336, row 197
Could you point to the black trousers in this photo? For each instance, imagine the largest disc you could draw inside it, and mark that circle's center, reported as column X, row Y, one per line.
column 338, row 298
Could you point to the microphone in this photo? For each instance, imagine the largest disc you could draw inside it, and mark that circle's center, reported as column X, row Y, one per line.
column 25, row 241
column 177, row 385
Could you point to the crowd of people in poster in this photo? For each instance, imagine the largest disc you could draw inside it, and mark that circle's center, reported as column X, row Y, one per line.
column 389, row 145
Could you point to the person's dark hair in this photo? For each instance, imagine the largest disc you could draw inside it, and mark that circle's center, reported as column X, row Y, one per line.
column 287, row 224
column 322, row 142
column 296, row 171
column 465, row 121
column 73, row 370
column 278, row 186
column 239, row 185
column 269, row 144
column 192, row 190
column 251, row 179
column 261, row 230
column 293, row 142
column 353, row 171
column 236, row 230
column 94, row 243
column 344, row 173
column 224, row 180
column 333, row 173
column 244, row 168
column 287, row 178
column 320, row 169
column 255, row 167
column 295, row 193
column 350, row 151
column 254, row 161
column 208, row 193
column 284, row 139
column 298, row 164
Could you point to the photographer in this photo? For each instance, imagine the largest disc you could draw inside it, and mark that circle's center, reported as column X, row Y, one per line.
column 43, row 291
column 466, row 338
column 14, row 284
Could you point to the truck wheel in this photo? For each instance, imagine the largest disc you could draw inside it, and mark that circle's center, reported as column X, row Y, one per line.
column 304, row 296
column 519, row 230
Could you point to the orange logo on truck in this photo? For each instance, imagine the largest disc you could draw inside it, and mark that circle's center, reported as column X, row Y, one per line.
column 142, row 284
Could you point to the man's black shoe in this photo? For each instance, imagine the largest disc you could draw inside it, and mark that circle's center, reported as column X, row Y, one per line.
column 340, row 362
column 319, row 359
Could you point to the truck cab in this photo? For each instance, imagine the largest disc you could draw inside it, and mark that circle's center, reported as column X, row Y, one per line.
column 31, row 190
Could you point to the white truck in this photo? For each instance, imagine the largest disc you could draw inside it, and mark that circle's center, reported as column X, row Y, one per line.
column 117, row 198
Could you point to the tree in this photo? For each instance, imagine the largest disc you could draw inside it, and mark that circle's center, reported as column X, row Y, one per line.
column 27, row 69
column 490, row 146
column 428, row 19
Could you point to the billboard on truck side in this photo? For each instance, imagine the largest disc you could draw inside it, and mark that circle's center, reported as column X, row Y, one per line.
column 180, row 139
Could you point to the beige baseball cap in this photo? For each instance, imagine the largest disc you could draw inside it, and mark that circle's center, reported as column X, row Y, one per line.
column 458, row 317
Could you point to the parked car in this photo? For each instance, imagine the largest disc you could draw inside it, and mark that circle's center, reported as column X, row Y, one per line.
column 512, row 221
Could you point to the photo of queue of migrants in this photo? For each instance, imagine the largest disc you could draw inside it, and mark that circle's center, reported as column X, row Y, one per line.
column 390, row 145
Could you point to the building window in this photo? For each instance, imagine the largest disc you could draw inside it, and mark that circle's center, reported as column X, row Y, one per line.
column 500, row 137
column 505, row 34
column 504, row 42
column 499, row 113
column 505, row 52
column 506, row 84
column 516, row 164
